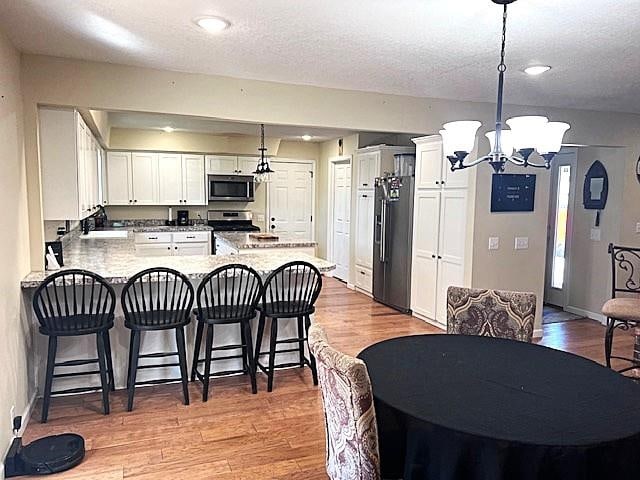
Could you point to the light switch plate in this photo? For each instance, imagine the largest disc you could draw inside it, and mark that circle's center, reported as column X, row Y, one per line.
column 260, row 217
column 494, row 243
column 522, row 243
column 595, row 234
column 637, row 227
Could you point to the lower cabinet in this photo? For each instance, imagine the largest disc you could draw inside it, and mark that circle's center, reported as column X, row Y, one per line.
column 364, row 279
column 164, row 244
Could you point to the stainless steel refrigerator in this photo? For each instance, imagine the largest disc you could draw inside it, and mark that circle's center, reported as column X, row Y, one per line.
column 393, row 234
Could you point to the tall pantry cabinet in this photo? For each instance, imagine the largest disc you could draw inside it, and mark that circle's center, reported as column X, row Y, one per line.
column 440, row 229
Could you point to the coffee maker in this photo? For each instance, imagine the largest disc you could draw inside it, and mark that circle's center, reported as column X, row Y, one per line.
column 183, row 218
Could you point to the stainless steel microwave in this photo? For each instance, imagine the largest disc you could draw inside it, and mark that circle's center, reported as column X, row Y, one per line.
column 230, row 188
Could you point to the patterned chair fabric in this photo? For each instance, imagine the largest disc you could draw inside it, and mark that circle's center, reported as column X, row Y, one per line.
column 350, row 420
column 491, row 313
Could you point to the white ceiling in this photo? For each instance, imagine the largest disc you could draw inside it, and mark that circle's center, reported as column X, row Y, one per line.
column 436, row 48
column 156, row 121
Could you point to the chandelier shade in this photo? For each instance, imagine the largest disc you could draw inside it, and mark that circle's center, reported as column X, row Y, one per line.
column 505, row 138
column 550, row 140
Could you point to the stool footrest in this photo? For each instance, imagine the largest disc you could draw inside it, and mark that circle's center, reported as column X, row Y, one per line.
column 142, row 367
column 75, row 374
column 77, row 390
column 228, row 347
column 226, row 357
column 158, row 381
column 224, row 373
column 288, row 350
column 157, row 355
column 76, row 363
column 292, row 340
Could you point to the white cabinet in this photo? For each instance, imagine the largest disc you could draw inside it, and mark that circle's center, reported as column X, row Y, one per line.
column 433, row 169
column 364, row 228
column 368, row 166
column 222, row 164
column 439, row 235
column 144, row 174
column 151, row 244
column 118, row 178
column 69, row 163
column 170, row 184
column 364, row 279
column 247, row 165
column 193, row 180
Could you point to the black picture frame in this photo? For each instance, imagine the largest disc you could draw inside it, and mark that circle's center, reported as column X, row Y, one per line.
column 512, row 192
column 595, row 191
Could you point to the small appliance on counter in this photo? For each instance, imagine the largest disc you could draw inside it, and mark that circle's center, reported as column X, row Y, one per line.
column 183, row 218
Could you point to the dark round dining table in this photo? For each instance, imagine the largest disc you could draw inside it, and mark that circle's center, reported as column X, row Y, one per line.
column 457, row 407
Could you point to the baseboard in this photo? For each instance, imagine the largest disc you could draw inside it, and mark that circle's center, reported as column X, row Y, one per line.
column 586, row 313
column 26, row 416
column 351, row 286
column 360, row 290
column 429, row 320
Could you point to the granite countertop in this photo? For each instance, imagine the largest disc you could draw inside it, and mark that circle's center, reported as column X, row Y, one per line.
column 169, row 228
column 115, row 259
column 242, row 240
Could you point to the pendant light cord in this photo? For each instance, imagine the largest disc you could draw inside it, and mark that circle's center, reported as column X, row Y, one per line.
column 502, row 67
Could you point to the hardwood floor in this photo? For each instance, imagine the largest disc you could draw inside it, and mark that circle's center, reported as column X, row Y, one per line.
column 237, row 435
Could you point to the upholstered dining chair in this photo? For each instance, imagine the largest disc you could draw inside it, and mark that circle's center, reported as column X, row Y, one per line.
column 491, row 313
column 350, row 420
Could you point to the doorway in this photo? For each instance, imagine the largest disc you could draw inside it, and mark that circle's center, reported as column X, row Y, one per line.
column 561, row 207
column 290, row 199
column 340, row 216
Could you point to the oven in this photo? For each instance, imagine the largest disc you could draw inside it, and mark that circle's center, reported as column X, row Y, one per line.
column 230, row 188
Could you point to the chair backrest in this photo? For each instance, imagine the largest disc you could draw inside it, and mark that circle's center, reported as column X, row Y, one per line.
column 350, row 419
column 157, row 298
column 293, row 287
column 491, row 313
column 74, row 302
column 625, row 270
column 229, row 292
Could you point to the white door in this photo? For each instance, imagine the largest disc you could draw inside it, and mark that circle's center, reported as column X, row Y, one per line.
column 364, row 228
column 341, row 218
column 222, row 164
column 144, row 173
column 170, row 178
column 424, row 268
column 291, row 199
column 193, row 178
column 561, row 201
column 451, row 246
column 118, row 178
column 429, row 165
column 368, row 165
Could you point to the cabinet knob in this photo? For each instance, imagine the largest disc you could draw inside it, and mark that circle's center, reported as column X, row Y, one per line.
column 272, row 227
column 130, row 201
column 433, row 256
column 365, row 184
column 168, row 248
column 135, row 201
column 437, row 183
column 439, row 257
column 175, row 248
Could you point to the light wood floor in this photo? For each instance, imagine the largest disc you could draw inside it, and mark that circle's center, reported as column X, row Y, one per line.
column 237, row 435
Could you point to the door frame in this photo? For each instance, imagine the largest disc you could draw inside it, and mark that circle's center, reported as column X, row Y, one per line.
column 572, row 153
column 331, row 205
column 312, row 166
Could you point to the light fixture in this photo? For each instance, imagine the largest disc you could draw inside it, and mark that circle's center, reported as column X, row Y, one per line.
column 306, row 138
column 527, row 135
column 537, row 69
column 263, row 170
column 212, row 24
column 168, row 129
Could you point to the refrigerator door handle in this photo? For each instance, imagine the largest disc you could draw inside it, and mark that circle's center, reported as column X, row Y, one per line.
column 383, row 230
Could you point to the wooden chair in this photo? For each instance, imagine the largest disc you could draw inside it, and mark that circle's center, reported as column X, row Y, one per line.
column 226, row 296
column 153, row 300
column 491, row 313
column 289, row 292
column 73, row 303
column 350, row 420
column 623, row 310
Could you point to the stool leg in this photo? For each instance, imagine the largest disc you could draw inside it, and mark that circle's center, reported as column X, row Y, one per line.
column 261, row 321
column 107, row 347
column 312, row 359
column 133, row 367
column 51, row 360
column 207, row 363
column 246, row 326
column 301, row 335
column 608, row 340
column 182, row 359
column 272, row 353
column 196, row 351
column 104, row 373
column 243, row 342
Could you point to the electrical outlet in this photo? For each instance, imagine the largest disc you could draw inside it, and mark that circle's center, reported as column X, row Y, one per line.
column 522, row 243
column 595, row 234
column 494, row 243
column 637, row 227
column 260, row 217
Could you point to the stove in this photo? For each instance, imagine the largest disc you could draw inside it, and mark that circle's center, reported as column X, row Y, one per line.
column 231, row 221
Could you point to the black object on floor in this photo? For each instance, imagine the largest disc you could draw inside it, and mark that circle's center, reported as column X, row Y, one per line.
column 465, row 407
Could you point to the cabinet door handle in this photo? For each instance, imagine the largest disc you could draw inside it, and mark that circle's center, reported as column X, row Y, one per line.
column 152, row 238
column 190, row 236
column 439, row 257
column 365, row 184
column 365, row 196
column 437, row 183
column 433, row 256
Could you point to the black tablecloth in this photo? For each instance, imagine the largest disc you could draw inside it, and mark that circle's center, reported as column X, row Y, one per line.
column 463, row 407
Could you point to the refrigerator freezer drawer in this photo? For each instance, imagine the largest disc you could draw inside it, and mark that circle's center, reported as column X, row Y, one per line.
column 364, row 279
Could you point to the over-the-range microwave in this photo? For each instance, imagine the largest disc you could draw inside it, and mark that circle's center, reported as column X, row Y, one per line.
column 230, row 188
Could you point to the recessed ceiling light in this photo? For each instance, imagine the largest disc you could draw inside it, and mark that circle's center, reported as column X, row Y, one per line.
column 306, row 138
column 212, row 24
column 168, row 129
column 537, row 69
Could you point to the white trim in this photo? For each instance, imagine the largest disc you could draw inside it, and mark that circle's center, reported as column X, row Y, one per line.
column 538, row 333
column 351, row 286
column 26, row 416
column 428, row 320
column 364, row 292
column 330, row 205
column 586, row 313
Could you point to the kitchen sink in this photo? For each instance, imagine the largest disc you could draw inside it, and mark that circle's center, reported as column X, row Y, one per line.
column 105, row 234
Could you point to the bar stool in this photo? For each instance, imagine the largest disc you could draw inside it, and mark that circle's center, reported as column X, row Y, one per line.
column 157, row 299
column 289, row 292
column 73, row 303
column 226, row 296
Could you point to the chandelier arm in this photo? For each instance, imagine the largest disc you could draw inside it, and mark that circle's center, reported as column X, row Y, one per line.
column 477, row 161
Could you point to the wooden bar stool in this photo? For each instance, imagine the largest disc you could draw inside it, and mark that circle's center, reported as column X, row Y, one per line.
column 226, row 296
column 154, row 300
column 290, row 292
column 73, row 303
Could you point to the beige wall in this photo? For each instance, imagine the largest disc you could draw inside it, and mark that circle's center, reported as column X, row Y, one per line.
column 103, row 128
column 14, row 246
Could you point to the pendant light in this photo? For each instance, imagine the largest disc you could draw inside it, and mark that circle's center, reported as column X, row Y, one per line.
column 263, row 170
column 527, row 135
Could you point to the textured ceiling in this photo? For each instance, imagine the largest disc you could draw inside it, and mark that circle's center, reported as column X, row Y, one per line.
column 434, row 48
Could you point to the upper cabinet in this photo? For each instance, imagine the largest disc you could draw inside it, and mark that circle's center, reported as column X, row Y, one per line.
column 155, row 179
column 70, row 162
column 230, row 165
column 368, row 165
column 433, row 169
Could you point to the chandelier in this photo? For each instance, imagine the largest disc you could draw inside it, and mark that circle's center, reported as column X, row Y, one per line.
column 263, row 170
column 527, row 134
